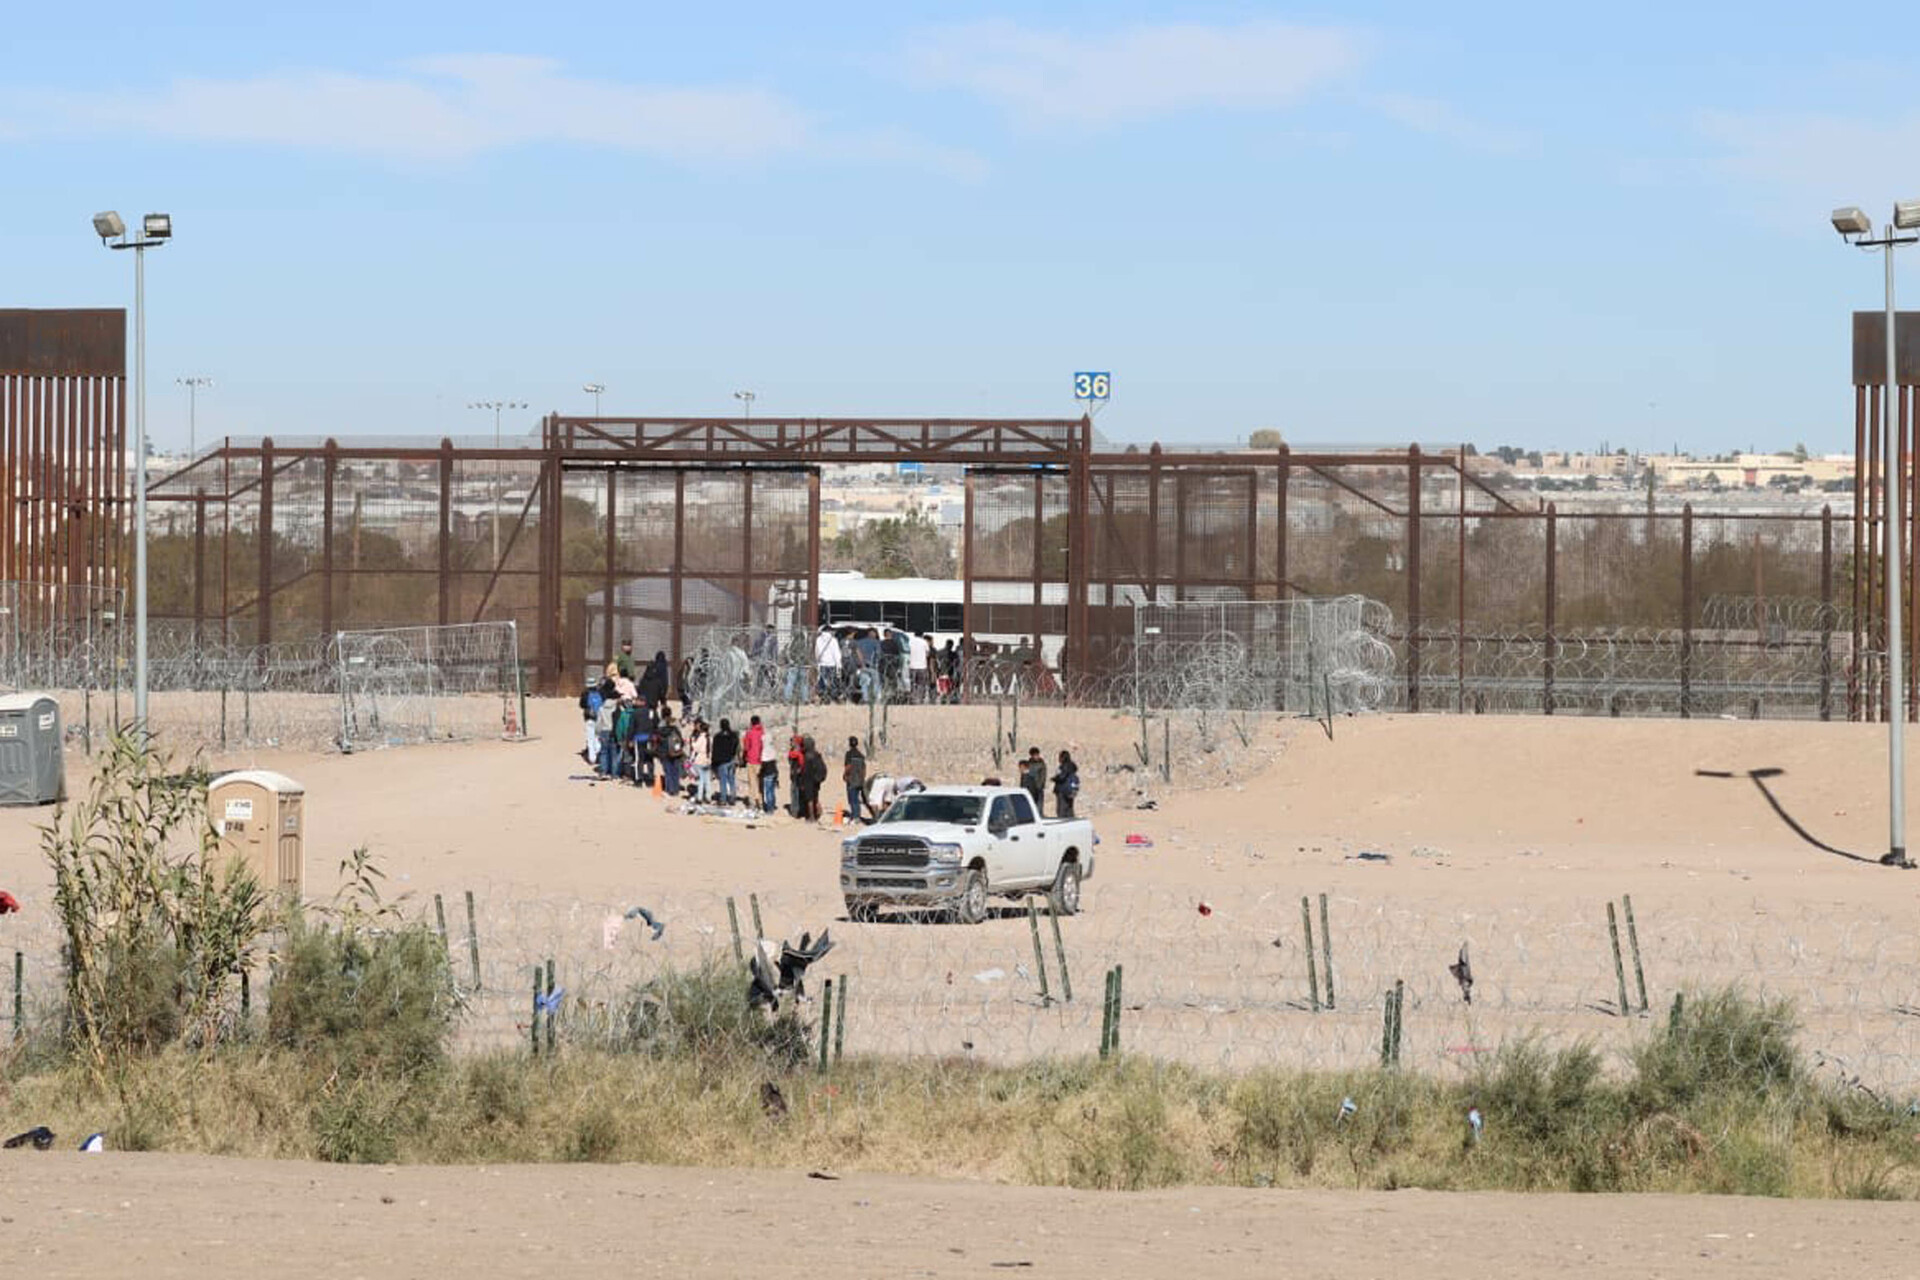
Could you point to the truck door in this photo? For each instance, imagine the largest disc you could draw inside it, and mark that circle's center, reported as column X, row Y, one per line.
column 1030, row 858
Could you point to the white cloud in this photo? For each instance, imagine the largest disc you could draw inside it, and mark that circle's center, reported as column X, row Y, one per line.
column 1067, row 78
column 1443, row 120
column 456, row 106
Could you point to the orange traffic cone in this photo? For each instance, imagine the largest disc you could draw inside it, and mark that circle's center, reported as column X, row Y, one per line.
column 659, row 786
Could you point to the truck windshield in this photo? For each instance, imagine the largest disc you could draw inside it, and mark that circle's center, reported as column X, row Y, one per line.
column 960, row 811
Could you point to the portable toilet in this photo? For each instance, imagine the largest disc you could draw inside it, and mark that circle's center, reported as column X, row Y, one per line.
column 31, row 768
column 259, row 816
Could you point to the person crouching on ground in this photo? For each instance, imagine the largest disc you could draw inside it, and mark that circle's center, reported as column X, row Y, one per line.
column 1066, row 786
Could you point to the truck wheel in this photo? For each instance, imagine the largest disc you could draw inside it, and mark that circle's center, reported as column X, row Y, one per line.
column 862, row 912
column 972, row 906
column 1064, row 897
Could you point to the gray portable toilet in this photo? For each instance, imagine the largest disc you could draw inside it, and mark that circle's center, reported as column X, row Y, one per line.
column 31, row 768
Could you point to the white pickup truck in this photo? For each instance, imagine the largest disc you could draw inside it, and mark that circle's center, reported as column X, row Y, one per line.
column 952, row 848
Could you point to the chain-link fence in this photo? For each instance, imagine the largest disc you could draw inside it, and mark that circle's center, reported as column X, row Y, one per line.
column 208, row 688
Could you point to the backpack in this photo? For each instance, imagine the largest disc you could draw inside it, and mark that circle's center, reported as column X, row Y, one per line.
column 593, row 702
column 1070, row 785
column 672, row 745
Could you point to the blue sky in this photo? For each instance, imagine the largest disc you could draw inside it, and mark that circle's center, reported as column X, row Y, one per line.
column 1367, row 224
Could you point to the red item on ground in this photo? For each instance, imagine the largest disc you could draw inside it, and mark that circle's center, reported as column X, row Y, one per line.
column 8, row 903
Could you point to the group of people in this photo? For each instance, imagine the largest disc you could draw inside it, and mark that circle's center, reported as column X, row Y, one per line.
column 866, row 664
column 1065, row 782
column 632, row 733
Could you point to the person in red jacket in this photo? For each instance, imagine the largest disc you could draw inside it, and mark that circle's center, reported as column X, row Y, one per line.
column 796, row 767
column 753, row 750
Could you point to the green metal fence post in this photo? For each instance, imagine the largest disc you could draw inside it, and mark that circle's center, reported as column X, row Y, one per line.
column 552, row 1007
column 1039, row 955
column 473, row 940
column 1326, row 950
column 1313, row 980
column 1619, row 970
column 1060, row 949
column 840, row 1018
column 826, row 1020
column 1633, row 941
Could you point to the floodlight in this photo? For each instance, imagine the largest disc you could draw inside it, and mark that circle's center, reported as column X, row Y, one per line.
column 158, row 226
column 108, row 225
column 1850, row 221
column 1906, row 214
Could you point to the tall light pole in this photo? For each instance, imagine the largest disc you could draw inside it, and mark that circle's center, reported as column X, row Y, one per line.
column 193, row 385
column 497, row 406
column 746, row 405
column 1857, row 229
column 155, row 229
column 595, row 389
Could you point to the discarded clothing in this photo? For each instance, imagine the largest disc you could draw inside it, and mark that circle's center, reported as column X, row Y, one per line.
column 658, row 926
column 40, row 1136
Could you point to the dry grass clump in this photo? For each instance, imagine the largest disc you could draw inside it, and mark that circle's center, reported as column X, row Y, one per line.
column 1552, row 1120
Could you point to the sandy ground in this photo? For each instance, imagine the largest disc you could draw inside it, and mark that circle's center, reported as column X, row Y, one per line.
column 68, row 1215
column 1510, row 834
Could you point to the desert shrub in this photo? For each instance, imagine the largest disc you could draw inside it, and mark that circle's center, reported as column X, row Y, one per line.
column 1280, row 1123
column 497, row 1090
column 371, row 1001
column 365, row 1120
column 1536, row 1092
column 1123, row 1141
column 702, row 1015
column 1719, row 1043
column 155, row 922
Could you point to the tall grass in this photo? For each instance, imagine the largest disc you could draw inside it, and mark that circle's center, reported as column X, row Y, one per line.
column 1676, row 1119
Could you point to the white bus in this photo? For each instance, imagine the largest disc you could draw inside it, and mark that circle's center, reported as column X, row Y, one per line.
column 921, row 606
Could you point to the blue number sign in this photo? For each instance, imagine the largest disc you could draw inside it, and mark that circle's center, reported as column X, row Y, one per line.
column 1092, row 386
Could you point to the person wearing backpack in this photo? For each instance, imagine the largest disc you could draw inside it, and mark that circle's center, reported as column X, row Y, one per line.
column 1066, row 786
column 623, row 718
column 644, row 727
column 672, row 744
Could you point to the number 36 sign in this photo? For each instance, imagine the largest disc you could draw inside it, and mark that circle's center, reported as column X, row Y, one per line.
column 1092, row 386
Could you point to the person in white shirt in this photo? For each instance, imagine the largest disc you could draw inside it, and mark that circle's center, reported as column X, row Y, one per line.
column 918, row 649
column 826, row 657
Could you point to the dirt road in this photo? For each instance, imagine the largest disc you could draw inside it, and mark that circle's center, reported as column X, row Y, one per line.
column 157, row 1217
